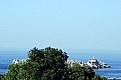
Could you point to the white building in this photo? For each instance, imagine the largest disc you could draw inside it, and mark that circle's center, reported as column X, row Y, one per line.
column 18, row 61
column 94, row 63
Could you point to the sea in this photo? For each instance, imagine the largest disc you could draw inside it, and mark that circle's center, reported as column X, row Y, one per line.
column 111, row 58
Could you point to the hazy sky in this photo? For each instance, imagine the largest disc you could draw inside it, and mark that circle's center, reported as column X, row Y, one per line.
column 65, row 24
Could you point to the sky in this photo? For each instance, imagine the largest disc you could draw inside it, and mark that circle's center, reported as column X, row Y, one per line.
column 64, row 24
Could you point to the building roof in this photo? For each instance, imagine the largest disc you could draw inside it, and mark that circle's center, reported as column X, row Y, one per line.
column 94, row 58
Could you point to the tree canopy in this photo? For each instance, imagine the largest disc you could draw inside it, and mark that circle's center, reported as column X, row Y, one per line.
column 48, row 64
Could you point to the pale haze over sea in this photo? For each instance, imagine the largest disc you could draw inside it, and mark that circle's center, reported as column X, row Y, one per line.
column 65, row 24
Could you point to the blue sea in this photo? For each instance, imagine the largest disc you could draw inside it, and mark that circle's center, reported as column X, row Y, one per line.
column 113, row 59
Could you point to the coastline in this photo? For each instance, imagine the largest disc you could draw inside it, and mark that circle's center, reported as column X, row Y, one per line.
column 113, row 72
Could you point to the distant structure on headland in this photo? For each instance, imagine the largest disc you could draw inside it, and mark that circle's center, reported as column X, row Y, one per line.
column 72, row 62
column 18, row 61
column 94, row 63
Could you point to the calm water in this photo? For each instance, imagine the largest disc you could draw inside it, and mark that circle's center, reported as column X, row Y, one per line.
column 113, row 59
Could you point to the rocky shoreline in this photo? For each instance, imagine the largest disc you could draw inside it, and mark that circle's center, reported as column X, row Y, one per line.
column 94, row 63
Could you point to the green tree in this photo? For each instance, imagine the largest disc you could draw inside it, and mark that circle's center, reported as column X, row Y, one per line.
column 77, row 72
column 2, row 76
column 98, row 77
column 48, row 64
column 89, row 72
column 13, row 72
column 43, row 64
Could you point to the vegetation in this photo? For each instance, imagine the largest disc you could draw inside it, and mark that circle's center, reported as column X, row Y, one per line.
column 98, row 77
column 48, row 64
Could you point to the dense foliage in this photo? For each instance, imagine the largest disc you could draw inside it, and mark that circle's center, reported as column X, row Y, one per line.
column 48, row 64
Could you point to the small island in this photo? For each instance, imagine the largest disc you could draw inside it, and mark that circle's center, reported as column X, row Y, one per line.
column 93, row 63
